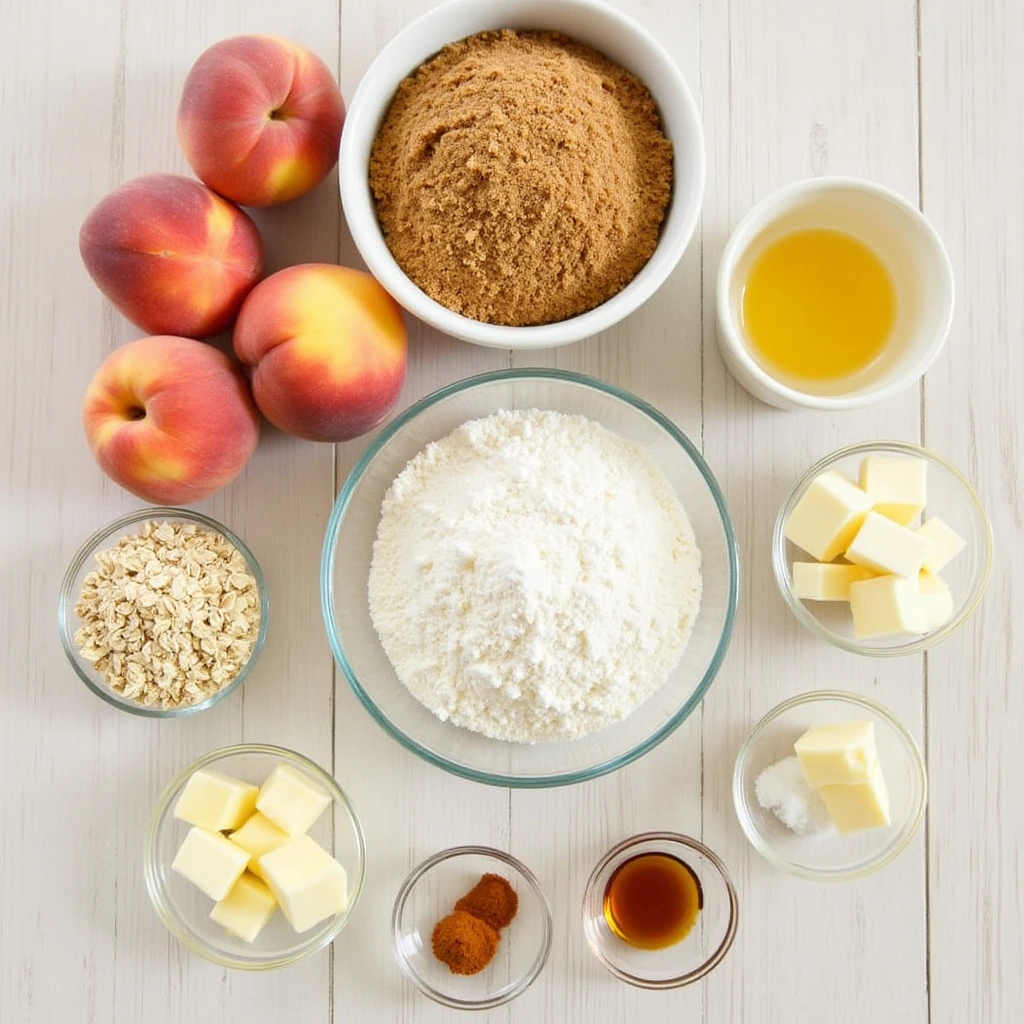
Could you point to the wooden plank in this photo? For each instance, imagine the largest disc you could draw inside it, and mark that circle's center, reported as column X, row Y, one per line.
column 279, row 507
column 409, row 809
column 791, row 91
column 656, row 354
column 59, row 111
column 106, row 767
column 972, row 107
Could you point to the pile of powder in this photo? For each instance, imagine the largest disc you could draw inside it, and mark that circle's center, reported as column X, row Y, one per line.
column 782, row 789
column 534, row 576
column 521, row 178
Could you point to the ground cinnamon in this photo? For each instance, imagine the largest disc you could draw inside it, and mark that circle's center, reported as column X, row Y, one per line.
column 464, row 942
column 520, row 177
column 492, row 900
column 467, row 939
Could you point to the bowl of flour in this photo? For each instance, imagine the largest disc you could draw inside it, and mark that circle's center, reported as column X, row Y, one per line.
column 530, row 578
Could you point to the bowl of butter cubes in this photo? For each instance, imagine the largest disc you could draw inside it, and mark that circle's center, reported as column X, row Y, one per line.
column 882, row 548
column 830, row 786
column 254, row 857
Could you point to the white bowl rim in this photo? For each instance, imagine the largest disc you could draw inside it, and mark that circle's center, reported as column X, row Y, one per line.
column 763, row 213
column 383, row 266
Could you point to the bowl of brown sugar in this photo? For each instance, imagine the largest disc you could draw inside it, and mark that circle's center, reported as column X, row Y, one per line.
column 522, row 174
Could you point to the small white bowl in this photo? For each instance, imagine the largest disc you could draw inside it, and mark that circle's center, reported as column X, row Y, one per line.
column 607, row 30
column 907, row 244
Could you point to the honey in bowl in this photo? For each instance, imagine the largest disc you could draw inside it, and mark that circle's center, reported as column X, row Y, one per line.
column 818, row 307
column 652, row 900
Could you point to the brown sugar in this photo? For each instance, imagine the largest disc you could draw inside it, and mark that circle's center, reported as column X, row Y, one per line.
column 492, row 900
column 464, row 943
column 521, row 178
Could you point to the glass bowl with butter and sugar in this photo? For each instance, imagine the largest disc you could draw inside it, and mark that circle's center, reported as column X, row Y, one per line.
column 254, row 857
column 830, row 786
column 882, row 548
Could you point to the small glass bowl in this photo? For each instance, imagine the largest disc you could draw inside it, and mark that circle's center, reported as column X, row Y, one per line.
column 185, row 910
column 950, row 497
column 831, row 857
column 430, row 893
column 83, row 563
column 700, row 952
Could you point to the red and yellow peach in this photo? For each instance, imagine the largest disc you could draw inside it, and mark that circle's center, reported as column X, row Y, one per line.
column 260, row 119
column 171, row 255
column 327, row 348
column 170, row 419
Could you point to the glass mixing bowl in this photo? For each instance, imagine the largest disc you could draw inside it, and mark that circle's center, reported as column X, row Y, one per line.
column 348, row 548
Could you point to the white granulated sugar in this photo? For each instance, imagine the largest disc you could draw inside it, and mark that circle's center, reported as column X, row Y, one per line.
column 782, row 789
column 534, row 576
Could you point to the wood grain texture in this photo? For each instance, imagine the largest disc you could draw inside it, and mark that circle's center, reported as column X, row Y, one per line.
column 972, row 118
column 793, row 96
column 788, row 90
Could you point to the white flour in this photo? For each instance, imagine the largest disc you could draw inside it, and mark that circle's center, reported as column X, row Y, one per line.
column 534, row 576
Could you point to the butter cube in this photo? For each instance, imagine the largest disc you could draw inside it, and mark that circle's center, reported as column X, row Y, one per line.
column 897, row 484
column 259, row 835
column 290, row 800
column 887, row 547
column 306, row 880
column 946, row 543
column 886, row 606
column 210, row 861
column 827, row 516
column 840, row 753
column 824, row 581
column 246, row 909
column 936, row 600
column 860, row 805
column 215, row 801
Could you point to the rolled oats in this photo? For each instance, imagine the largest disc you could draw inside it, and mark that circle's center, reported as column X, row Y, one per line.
column 169, row 615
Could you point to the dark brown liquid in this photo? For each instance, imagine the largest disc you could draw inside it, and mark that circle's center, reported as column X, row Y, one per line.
column 652, row 900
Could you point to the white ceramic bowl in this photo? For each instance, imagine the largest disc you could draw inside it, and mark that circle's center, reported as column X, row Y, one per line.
column 588, row 21
column 907, row 244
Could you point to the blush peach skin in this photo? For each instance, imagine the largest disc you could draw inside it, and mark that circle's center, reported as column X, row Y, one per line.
column 170, row 419
column 327, row 351
column 260, row 119
column 171, row 255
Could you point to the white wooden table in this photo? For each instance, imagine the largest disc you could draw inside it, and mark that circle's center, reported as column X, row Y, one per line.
column 925, row 96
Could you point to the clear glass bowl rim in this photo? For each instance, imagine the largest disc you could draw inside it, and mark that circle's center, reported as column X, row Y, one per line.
column 678, row 839
column 66, row 599
column 503, row 996
column 154, row 889
column 796, row 606
column 754, row 836
column 330, row 553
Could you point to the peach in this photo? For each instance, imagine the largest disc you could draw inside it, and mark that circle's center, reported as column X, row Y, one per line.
column 171, row 255
column 327, row 349
column 260, row 119
column 170, row 419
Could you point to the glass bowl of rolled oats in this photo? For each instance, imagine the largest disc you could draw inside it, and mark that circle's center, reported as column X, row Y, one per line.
column 163, row 612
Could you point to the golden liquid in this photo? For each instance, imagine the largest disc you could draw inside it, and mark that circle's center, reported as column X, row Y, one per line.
column 818, row 305
column 652, row 900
